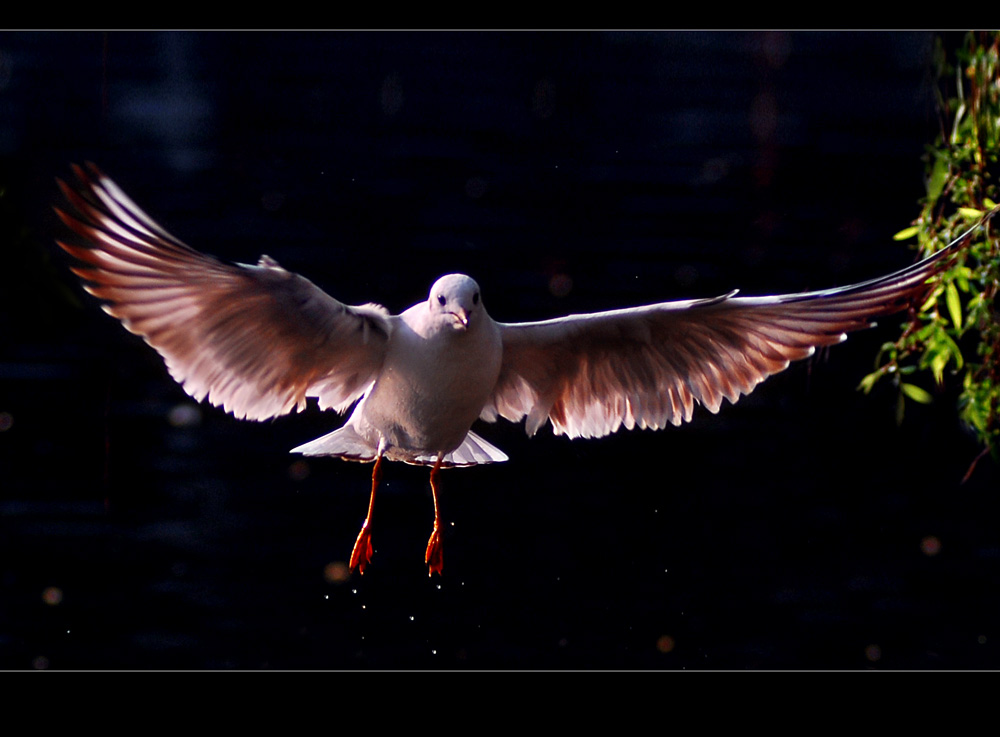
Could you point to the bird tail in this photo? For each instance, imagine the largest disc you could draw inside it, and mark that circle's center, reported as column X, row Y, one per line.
column 347, row 444
column 472, row 451
column 344, row 443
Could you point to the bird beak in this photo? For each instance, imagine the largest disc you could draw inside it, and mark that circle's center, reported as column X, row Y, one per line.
column 462, row 318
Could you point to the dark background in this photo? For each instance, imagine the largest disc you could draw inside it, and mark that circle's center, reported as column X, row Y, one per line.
column 566, row 172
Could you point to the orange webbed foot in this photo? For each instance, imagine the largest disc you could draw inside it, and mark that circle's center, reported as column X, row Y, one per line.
column 361, row 556
column 434, row 557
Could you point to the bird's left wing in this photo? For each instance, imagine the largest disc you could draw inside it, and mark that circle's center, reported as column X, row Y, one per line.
column 255, row 340
column 648, row 366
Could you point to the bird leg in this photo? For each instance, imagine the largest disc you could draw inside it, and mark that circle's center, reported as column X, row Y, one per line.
column 434, row 557
column 361, row 556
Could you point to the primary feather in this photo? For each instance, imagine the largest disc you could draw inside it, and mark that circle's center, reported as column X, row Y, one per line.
column 258, row 340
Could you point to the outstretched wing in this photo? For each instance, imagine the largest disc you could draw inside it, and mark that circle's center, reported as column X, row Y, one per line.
column 648, row 366
column 255, row 340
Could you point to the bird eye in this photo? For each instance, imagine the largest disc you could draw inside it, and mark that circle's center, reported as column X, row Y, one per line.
column 475, row 298
column 441, row 300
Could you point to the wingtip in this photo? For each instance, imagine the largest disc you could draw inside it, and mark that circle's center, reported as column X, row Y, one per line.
column 957, row 245
column 79, row 172
column 67, row 219
column 67, row 193
column 95, row 170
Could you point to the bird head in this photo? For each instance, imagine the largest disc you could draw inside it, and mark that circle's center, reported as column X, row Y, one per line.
column 456, row 299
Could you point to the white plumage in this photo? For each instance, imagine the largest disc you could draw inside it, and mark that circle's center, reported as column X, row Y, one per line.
column 259, row 340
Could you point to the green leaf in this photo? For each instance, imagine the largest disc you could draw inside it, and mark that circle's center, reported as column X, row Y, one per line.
column 869, row 381
column 906, row 233
column 975, row 416
column 929, row 302
column 927, row 330
column 961, row 304
column 936, row 182
column 954, row 349
column 954, row 305
column 937, row 366
column 962, row 276
column 915, row 393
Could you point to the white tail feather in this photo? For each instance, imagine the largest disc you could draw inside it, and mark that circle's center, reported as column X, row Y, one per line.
column 346, row 443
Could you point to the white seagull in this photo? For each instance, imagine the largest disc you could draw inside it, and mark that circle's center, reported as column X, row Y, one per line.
column 259, row 340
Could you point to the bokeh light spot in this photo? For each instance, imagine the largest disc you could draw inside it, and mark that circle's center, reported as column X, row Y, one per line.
column 298, row 470
column 665, row 644
column 560, row 285
column 930, row 545
column 184, row 415
column 336, row 572
column 52, row 596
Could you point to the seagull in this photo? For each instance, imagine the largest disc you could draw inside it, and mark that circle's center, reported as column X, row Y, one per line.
column 258, row 341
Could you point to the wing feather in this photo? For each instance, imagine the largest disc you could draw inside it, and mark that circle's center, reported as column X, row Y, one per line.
column 649, row 366
column 255, row 340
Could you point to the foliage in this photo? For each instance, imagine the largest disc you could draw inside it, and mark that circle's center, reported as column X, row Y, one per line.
column 956, row 332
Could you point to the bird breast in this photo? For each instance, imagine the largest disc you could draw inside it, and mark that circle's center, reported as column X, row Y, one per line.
column 431, row 389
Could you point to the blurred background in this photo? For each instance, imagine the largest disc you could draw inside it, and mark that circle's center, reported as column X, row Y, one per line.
column 566, row 172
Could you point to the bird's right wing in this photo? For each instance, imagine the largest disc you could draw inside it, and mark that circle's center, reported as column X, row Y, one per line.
column 648, row 366
column 255, row 340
